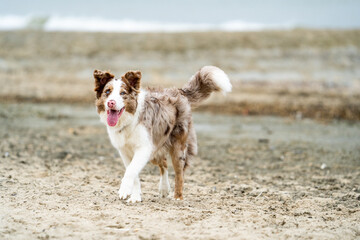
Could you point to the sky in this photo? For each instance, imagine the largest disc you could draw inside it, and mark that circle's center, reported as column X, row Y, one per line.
column 302, row 13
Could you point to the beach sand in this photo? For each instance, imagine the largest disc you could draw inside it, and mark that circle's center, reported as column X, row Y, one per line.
column 255, row 177
column 290, row 172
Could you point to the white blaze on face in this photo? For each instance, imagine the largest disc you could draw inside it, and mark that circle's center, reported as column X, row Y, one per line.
column 115, row 95
column 114, row 113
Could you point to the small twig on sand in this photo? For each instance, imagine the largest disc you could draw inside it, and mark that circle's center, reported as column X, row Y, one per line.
column 258, row 195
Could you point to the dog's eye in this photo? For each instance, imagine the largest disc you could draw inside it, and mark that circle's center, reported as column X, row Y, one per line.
column 107, row 92
column 122, row 93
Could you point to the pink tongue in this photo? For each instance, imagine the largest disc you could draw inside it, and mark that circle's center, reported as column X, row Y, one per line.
column 113, row 117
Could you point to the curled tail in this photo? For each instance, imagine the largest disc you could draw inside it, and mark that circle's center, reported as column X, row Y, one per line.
column 207, row 80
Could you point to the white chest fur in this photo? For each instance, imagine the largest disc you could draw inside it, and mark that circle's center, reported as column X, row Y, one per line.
column 130, row 137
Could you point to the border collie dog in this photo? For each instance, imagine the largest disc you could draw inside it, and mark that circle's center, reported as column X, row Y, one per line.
column 149, row 125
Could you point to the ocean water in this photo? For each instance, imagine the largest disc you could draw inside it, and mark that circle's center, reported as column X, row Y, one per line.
column 178, row 15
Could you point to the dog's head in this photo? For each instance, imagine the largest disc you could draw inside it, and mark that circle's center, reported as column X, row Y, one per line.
column 116, row 97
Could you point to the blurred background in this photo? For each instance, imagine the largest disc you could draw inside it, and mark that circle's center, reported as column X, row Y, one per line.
column 278, row 157
column 289, row 58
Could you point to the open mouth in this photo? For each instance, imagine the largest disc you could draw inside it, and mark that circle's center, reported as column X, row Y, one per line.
column 113, row 116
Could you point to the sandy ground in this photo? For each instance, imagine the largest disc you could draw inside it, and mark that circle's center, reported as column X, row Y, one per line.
column 255, row 177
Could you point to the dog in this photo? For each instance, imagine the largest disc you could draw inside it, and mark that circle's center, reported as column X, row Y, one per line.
column 150, row 124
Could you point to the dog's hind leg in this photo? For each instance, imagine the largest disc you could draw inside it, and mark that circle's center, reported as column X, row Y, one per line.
column 178, row 157
column 164, row 185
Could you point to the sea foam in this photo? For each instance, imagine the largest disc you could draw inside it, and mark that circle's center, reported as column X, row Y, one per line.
column 90, row 24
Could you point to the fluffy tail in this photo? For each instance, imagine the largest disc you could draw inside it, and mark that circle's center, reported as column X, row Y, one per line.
column 207, row 80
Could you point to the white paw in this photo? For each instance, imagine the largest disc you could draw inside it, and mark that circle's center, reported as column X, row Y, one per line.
column 126, row 188
column 164, row 191
column 135, row 197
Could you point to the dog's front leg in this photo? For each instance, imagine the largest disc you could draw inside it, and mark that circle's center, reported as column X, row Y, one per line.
column 131, row 177
column 136, row 192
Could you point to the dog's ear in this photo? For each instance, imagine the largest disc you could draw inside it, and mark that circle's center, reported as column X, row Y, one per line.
column 101, row 79
column 133, row 78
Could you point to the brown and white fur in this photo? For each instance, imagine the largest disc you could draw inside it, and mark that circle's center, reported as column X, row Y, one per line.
column 148, row 125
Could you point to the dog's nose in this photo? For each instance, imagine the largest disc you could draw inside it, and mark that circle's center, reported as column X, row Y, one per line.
column 111, row 103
